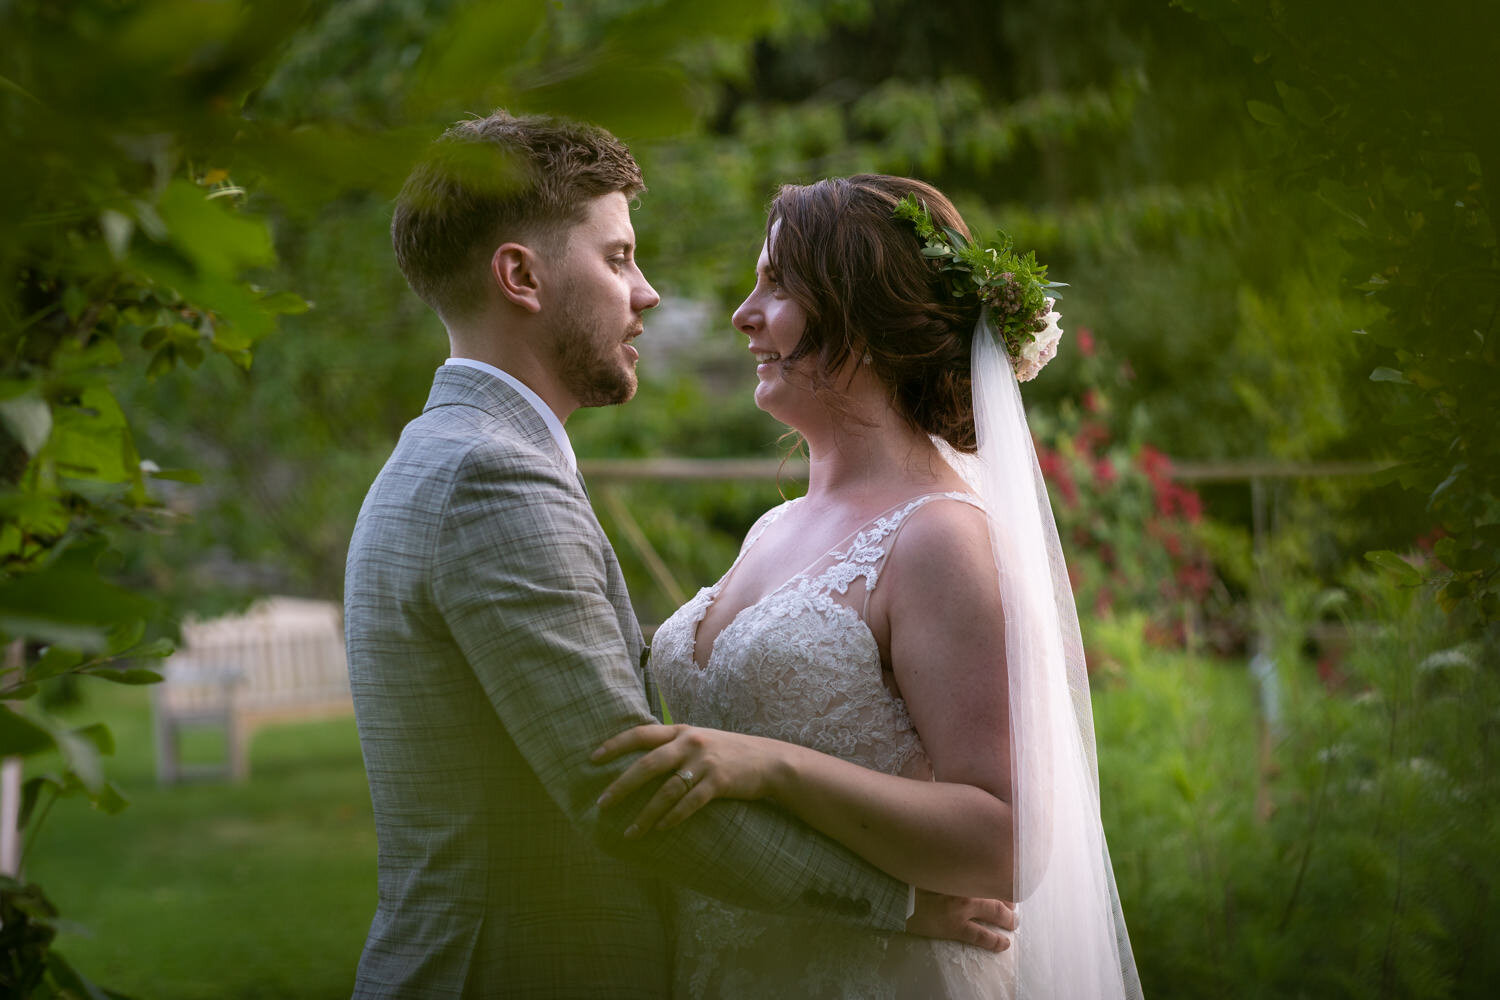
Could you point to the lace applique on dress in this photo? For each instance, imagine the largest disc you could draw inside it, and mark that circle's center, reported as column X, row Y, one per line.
column 801, row 665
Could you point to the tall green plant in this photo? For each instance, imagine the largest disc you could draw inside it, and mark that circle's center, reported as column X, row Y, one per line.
column 1360, row 866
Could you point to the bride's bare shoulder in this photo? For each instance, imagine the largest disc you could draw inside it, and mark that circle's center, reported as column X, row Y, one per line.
column 943, row 552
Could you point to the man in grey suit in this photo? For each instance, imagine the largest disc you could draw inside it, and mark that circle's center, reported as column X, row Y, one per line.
column 491, row 642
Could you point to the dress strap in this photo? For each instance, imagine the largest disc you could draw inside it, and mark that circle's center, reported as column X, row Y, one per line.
column 767, row 519
column 893, row 530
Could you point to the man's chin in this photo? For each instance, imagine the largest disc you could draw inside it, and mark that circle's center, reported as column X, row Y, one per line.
column 612, row 394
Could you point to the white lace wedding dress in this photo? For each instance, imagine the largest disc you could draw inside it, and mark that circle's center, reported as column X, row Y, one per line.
column 801, row 665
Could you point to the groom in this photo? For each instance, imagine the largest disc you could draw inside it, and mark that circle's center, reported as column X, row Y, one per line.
column 491, row 642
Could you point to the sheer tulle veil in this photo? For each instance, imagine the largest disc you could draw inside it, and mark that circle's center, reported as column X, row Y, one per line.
column 1071, row 943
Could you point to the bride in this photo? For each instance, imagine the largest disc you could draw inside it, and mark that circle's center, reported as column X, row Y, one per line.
column 894, row 658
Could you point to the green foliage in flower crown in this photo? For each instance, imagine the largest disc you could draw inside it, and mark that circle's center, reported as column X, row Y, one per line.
column 1015, row 287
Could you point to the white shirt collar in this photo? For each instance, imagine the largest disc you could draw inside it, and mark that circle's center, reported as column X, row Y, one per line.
column 554, row 426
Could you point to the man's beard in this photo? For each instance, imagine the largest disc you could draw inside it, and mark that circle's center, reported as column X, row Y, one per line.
column 590, row 367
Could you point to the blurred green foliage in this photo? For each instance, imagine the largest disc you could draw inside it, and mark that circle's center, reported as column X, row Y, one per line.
column 1396, row 136
column 122, row 234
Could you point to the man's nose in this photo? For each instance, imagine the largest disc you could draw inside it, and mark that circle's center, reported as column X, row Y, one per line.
column 645, row 296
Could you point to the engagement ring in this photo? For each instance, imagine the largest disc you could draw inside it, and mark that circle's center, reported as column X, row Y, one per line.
column 685, row 775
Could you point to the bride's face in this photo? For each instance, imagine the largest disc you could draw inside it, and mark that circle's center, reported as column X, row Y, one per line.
column 774, row 322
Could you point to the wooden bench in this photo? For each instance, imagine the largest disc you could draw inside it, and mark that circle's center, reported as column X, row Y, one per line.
column 280, row 661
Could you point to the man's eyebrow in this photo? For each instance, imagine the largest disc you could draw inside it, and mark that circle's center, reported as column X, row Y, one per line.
column 619, row 244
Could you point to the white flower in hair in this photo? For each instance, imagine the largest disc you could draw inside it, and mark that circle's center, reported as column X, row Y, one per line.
column 1041, row 349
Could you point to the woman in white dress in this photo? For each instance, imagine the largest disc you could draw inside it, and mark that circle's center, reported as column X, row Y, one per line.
column 871, row 661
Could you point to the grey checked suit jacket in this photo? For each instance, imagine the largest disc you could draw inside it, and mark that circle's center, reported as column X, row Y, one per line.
column 491, row 647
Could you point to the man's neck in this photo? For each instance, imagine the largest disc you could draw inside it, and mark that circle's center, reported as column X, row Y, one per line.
column 520, row 364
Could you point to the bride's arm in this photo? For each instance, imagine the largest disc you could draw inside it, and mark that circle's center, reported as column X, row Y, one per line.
column 952, row 835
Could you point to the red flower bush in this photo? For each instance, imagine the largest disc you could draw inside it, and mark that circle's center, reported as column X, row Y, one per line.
column 1133, row 531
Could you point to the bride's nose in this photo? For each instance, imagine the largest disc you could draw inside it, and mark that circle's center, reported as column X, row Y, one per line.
column 747, row 317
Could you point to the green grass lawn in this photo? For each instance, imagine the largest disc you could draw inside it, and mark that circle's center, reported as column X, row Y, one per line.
column 210, row 889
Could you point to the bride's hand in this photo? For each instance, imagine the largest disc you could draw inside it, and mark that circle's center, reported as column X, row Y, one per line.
column 699, row 765
column 984, row 923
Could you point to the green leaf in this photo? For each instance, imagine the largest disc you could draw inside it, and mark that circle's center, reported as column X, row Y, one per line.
column 1183, row 782
column 162, row 362
column 22, row 737
column 480, row 43
column 1298, row 105
column 53, row 661
column 1383, row 374
column 92, row 440
column 74, row 302
column 134, row 675
column 80, row 756
column 110, row 800
column 178, row 475
column 1406, row 573
column 11, row 86
column 72, row 982
column 285, row 303
column 217, row 239
column 650, row 99
column 157, row 648
column 1453, row 475
column 1266, row 114
column 955, row 238
column 31, row 791
column 126, row 634
column 28, row 418
column 67, row 606
column 99, row 736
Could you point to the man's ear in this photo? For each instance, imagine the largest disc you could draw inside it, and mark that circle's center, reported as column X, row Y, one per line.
column 513, row 269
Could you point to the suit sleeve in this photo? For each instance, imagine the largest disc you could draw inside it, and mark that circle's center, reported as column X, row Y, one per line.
column 519, row 580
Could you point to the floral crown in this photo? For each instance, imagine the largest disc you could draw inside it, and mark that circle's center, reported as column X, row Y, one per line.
column 1013, row 288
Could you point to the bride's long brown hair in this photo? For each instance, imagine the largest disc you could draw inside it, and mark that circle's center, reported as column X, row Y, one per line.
column 859, row 274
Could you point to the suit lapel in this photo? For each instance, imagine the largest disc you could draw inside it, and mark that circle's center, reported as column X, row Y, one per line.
column 458, row 385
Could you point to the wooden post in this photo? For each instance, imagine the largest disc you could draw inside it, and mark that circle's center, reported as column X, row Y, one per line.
column 1262, row 660
column 10, row 786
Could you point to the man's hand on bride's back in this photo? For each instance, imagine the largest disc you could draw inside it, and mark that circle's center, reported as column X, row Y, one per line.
column 984, row 923
column 694, row 765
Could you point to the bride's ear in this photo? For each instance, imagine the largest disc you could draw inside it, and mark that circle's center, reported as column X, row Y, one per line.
column 513, row 268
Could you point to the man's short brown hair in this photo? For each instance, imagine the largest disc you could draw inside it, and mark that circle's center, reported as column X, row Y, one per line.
column 499, row 179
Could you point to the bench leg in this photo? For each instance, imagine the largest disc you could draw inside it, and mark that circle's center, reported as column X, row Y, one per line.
column 166, row 749
column 237, row 744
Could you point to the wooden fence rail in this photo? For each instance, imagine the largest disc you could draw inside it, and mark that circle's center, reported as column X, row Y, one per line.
column 624, row 470
column 608, row 474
